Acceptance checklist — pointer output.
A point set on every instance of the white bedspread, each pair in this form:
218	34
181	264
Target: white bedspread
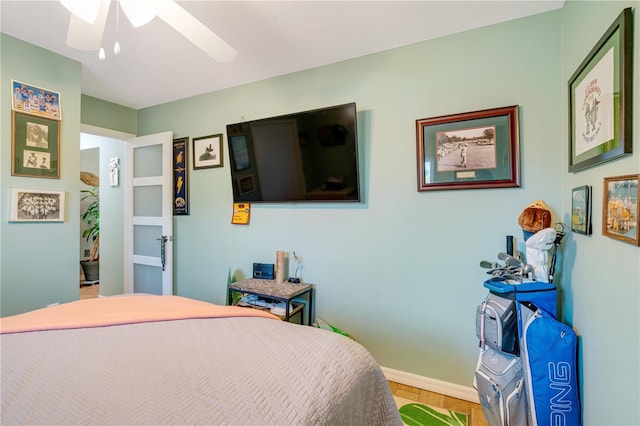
222	371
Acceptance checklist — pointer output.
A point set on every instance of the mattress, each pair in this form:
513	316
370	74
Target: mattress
184	362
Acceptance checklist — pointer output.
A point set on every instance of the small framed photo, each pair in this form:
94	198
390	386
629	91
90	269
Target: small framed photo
207	152
620	208
35	146
35	100
600	99
180	176
472	150
581	210
36	205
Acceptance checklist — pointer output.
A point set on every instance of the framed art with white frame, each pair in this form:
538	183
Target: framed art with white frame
36	205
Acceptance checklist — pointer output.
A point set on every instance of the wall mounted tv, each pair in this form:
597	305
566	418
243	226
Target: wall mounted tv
309	156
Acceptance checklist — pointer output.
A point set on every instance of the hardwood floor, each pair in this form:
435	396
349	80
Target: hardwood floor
89	291
472	410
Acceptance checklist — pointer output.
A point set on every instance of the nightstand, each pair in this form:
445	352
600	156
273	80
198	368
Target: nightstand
283	292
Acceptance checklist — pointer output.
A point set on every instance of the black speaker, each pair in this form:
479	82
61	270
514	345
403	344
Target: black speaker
263	271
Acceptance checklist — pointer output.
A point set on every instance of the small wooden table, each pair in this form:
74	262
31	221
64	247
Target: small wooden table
283	292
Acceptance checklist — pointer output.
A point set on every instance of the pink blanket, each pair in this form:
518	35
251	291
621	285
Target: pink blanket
101	312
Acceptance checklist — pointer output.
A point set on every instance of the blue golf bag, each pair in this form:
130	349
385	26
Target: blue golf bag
526	372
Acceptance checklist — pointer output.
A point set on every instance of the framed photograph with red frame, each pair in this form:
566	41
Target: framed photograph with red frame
472	150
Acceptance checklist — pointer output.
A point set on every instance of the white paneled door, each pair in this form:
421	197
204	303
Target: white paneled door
148	205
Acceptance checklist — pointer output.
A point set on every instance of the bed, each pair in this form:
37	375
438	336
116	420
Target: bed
145	359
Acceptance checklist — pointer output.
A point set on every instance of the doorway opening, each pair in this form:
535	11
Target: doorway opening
97	148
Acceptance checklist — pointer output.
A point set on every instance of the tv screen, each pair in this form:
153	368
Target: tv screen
309	156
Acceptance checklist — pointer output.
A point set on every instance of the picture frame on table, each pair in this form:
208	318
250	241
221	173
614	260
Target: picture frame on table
36	205
620	208
35	146
471	150
207	152
600	99
581	210
181	176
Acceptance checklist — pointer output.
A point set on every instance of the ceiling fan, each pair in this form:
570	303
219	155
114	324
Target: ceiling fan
88	19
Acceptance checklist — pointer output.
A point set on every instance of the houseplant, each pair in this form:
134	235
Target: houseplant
91	216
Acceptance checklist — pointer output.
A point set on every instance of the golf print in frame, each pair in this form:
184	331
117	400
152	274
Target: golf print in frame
581	210
472	150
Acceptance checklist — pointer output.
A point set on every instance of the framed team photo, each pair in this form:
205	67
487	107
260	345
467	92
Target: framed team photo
36	205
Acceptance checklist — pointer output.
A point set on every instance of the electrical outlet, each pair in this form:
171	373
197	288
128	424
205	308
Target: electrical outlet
86	252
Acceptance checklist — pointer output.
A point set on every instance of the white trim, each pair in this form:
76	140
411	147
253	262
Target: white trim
101	131
449	389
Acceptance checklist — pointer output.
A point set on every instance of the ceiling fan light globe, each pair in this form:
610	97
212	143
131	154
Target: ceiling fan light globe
139	12
87	10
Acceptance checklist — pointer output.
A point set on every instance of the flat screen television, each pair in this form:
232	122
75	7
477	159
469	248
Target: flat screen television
309	156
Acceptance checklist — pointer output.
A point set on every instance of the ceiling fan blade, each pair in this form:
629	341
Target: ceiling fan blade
85	36
139	12
194	31
87	10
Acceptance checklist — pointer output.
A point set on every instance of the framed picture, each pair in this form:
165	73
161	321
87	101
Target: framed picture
581	210
245	185
35	100
207	152
620	208
472	150
180	176
36	205
600	99
35	146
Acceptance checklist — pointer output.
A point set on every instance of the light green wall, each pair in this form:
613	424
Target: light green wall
399	271
39	263
107	115
602	285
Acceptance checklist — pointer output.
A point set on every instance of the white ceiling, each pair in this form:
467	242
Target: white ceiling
157	65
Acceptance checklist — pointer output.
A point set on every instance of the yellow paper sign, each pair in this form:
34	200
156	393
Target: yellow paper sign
241	213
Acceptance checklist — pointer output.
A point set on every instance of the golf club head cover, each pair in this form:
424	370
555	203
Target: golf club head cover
536	249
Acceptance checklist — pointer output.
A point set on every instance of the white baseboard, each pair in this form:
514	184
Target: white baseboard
433	385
